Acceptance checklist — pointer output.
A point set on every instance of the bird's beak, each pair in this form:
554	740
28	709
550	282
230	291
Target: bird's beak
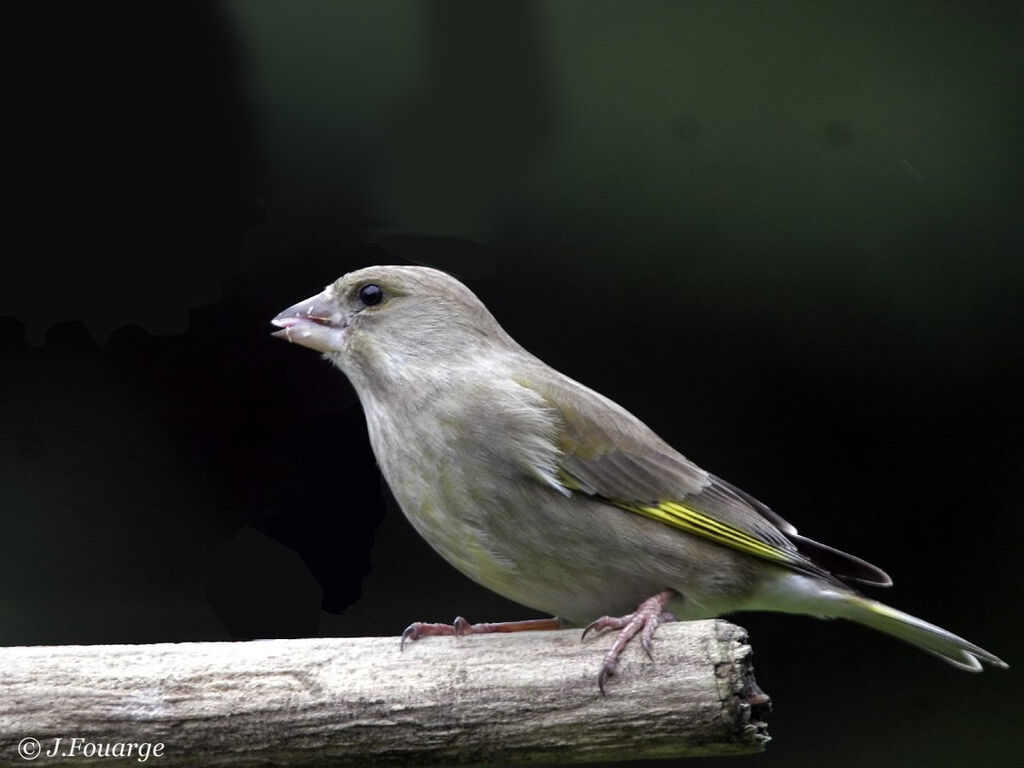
316	323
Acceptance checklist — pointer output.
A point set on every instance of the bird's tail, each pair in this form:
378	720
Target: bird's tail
800	593
928	637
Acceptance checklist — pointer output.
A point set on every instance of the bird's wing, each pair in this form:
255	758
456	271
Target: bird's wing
608	453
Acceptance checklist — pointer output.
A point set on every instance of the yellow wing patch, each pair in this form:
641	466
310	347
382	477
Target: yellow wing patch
692	521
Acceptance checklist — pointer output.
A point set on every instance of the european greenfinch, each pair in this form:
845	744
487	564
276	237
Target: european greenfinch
556	497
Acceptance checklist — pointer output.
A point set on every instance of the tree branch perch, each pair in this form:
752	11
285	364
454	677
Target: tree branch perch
509	699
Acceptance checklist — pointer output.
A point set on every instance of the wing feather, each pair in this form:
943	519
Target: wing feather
608	453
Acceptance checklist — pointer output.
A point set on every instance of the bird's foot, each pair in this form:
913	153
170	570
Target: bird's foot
645	619
460	626
759	701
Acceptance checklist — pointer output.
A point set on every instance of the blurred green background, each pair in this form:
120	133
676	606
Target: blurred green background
789	236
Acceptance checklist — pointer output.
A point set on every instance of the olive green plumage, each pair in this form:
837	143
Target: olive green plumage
551	494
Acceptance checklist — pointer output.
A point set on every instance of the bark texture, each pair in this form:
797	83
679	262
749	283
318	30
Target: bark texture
504	699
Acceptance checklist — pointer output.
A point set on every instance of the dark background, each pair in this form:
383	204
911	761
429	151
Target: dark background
788	236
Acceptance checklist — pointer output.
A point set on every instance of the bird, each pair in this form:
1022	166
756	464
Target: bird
554	496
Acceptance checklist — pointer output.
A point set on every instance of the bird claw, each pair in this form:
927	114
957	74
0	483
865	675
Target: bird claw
419	629
645	641
645	620
412	632
607	670
605	623
647	633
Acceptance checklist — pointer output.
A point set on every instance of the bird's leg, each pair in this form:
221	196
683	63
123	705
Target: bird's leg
460	626
645	619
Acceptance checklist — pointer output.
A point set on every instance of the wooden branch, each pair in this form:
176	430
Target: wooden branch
504	698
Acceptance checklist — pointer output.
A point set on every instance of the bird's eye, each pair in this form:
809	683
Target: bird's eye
371	294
